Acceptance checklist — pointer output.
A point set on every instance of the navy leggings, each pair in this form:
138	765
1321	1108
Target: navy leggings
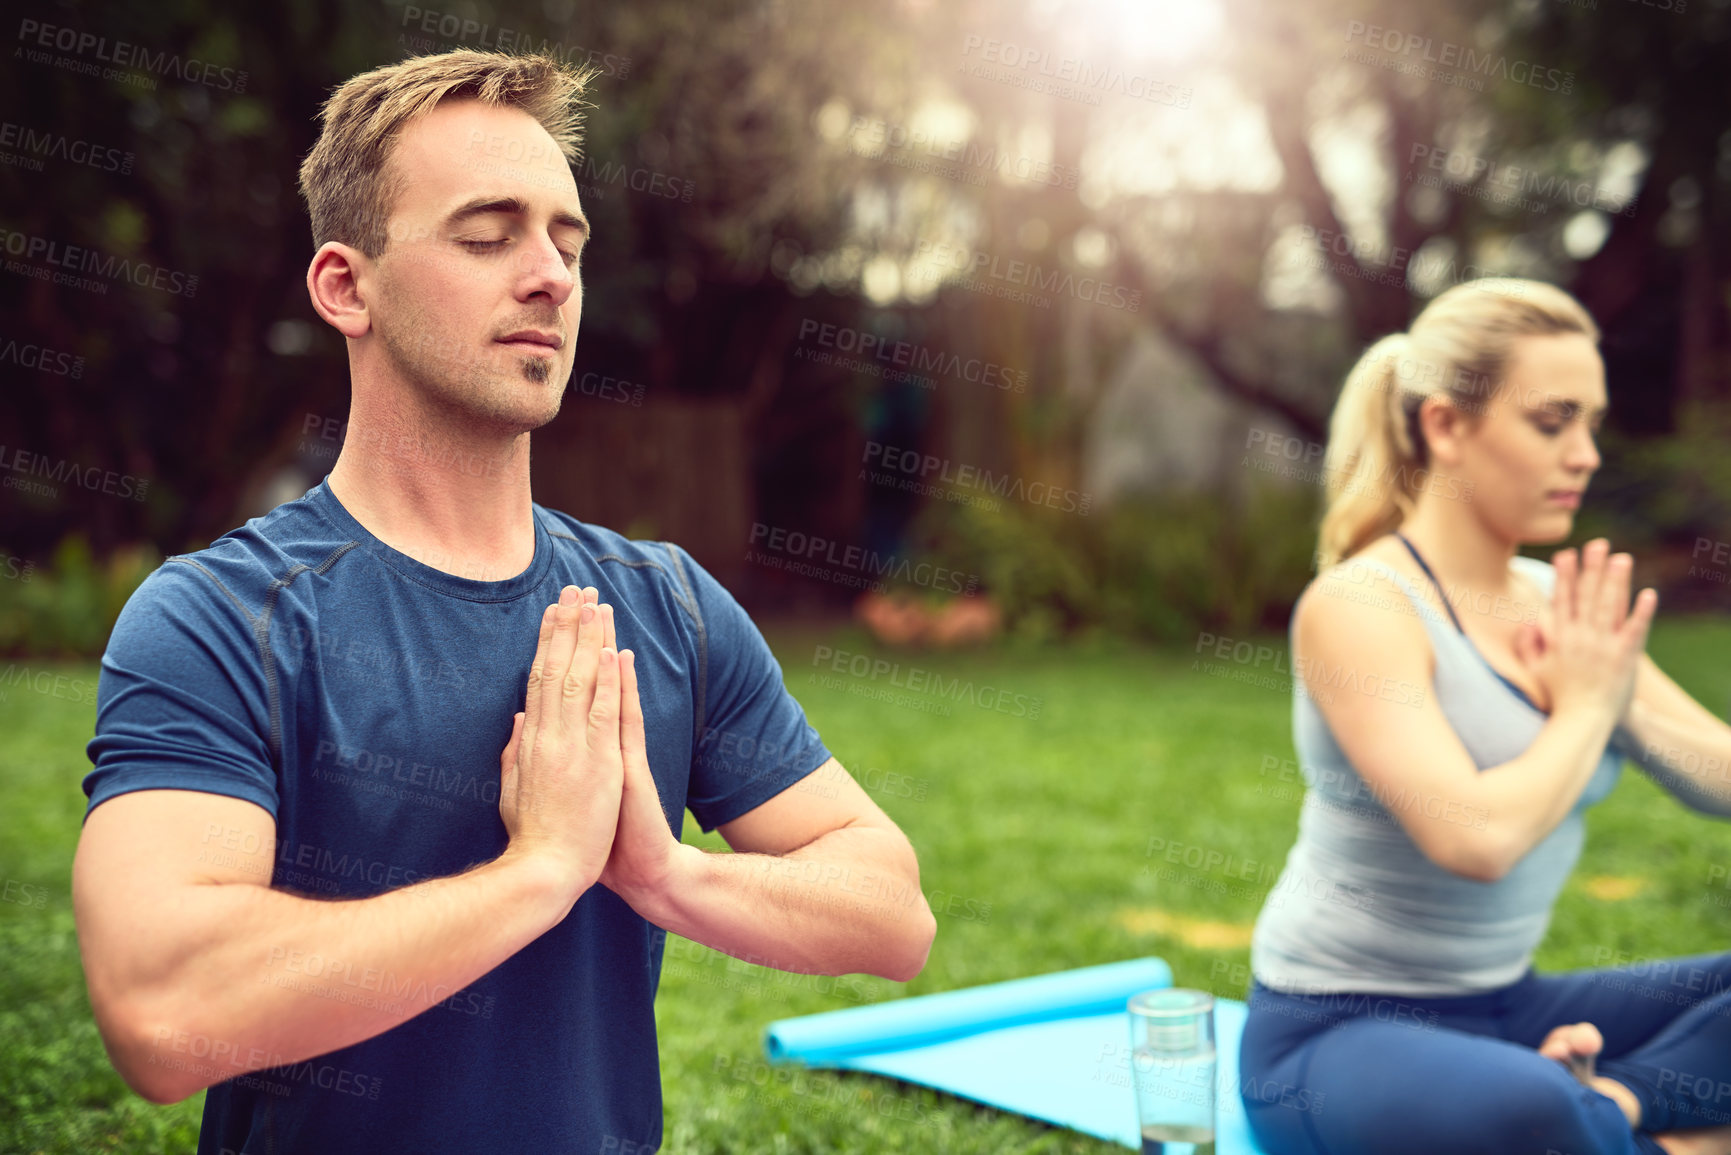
1360	1074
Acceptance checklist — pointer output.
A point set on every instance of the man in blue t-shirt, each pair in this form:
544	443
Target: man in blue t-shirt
388	783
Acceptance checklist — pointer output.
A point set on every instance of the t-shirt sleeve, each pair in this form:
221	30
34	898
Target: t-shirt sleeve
181	703
754	740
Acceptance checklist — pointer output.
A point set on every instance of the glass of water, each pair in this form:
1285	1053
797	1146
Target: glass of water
1172	1068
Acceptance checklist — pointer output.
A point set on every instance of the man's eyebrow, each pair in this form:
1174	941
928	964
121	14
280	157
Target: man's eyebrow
513	206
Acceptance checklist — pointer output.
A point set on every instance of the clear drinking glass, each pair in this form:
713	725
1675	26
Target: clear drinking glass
1172	1068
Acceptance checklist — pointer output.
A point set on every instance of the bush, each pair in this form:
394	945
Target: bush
1154	569
1664	491
68	610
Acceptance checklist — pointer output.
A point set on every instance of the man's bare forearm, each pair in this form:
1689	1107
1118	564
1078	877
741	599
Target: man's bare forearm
847	903
256	978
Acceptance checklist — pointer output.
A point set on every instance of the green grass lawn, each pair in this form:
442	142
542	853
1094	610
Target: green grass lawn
1033	836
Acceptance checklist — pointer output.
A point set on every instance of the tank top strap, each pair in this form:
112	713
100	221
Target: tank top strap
1425	566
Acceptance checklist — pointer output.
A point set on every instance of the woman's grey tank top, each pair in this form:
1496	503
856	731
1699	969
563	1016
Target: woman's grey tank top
1358	906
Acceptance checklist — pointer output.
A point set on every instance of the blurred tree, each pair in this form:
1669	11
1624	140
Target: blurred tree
1261	200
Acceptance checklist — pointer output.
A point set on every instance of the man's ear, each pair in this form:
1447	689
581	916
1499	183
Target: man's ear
333	283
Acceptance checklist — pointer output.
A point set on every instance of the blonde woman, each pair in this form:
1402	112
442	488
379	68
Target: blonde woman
1459	708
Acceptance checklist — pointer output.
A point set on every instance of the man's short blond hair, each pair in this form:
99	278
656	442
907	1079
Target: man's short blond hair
346	180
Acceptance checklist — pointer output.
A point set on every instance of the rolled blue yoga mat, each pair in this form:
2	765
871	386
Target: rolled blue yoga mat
819	1039
1053	1047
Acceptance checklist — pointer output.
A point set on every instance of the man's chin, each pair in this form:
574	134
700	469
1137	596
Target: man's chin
537	370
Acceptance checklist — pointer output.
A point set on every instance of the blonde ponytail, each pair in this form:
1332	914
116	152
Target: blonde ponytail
1458	346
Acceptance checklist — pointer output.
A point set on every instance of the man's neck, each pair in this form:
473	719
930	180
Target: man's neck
453	499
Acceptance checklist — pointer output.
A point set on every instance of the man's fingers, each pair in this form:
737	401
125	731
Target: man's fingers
632	742
538	671
603	730
560	648
608	638
578	689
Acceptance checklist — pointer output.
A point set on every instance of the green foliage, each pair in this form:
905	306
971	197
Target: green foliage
1154	569
1664	490
69	609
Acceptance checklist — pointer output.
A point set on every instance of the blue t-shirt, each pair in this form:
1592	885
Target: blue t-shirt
363	698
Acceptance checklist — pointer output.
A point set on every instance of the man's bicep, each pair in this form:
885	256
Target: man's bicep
137	857
827	799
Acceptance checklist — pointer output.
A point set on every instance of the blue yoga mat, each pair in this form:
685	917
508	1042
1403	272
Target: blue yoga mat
1053	1047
